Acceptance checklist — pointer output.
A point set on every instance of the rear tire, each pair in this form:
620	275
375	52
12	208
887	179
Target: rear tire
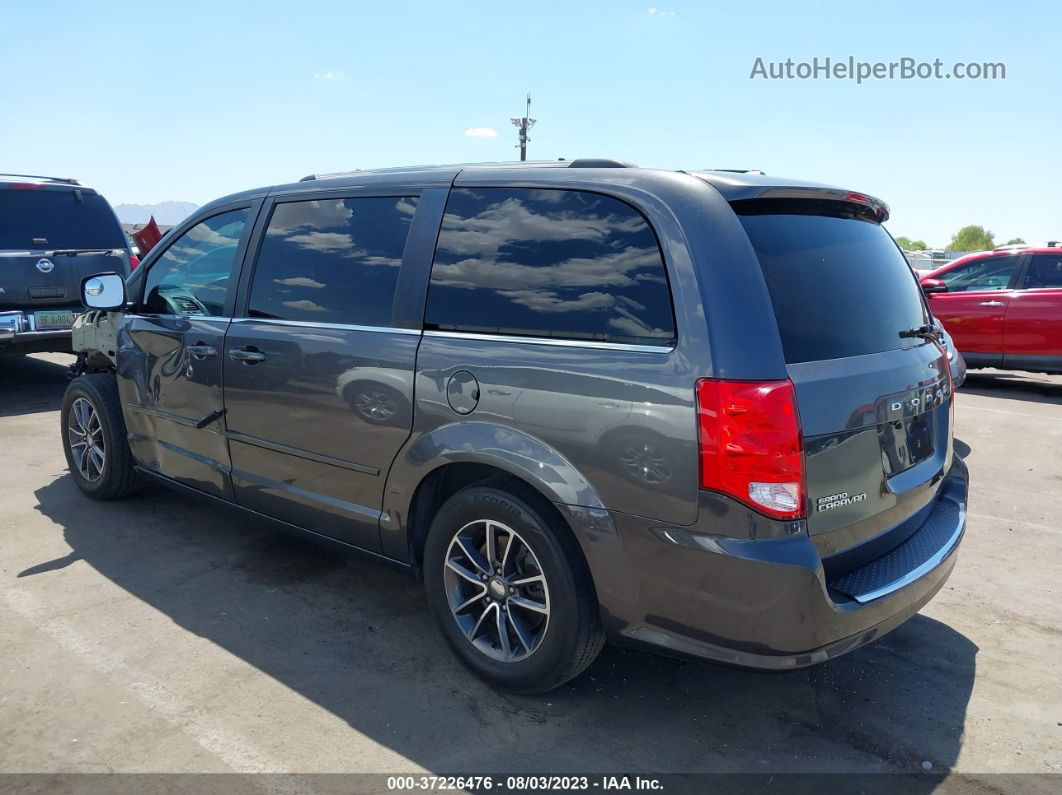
94	438
539	593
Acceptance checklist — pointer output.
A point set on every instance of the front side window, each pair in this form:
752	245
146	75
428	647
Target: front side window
993	273
548	263
192	276
332	260
1045	270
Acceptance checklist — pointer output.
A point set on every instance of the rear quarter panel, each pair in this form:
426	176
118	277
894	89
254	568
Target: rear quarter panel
567	418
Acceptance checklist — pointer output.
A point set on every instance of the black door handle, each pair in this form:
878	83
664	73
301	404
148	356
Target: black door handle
246	355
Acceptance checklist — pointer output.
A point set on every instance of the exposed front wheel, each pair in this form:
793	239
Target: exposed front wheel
94	438
510	590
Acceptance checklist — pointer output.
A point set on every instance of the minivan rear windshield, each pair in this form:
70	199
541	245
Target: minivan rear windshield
839	284
57	219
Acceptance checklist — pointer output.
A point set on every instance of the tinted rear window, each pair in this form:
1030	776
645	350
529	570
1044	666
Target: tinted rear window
58	219
548	263
839	285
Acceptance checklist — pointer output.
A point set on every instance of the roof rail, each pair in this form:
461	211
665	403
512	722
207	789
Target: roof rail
599	162
66	180
580	162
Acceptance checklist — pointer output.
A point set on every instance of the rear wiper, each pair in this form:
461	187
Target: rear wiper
926	332
61	251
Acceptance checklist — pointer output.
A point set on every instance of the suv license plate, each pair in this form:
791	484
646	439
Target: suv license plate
53	319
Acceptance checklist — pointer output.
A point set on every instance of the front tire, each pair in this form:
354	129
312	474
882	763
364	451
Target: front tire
510	589
94	438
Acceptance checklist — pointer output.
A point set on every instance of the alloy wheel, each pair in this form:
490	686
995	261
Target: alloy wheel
85	436
644	463
374	404
497	591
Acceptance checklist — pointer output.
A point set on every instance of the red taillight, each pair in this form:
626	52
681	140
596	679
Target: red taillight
134	260
750	444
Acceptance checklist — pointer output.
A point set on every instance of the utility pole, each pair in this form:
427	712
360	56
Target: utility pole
524	124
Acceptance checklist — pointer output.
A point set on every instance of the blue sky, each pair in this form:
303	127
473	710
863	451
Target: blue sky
226	96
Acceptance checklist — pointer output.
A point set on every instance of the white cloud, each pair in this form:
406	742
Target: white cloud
300	281
481	132
548	301
290	216
656	12
305	305
328	75
325	242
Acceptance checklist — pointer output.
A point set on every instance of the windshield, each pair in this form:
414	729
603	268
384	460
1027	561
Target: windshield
839	285
56	219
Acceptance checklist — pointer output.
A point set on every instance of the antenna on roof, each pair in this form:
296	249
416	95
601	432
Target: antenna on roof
524	123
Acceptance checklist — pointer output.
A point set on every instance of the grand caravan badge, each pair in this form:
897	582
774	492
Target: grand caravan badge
838	500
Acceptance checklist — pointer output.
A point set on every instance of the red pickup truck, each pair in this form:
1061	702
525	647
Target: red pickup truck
1003	308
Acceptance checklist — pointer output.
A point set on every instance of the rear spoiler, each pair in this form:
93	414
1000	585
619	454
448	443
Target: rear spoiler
880	208
752	186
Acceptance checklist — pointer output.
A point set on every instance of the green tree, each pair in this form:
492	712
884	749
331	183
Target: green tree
1015	241
911	245
972	238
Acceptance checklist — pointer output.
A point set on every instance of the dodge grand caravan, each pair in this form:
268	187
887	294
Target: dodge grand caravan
702	412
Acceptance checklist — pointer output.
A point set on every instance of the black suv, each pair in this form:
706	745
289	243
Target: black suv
53	233
702	412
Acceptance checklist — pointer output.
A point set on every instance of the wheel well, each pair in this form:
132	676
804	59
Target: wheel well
440	484
91	361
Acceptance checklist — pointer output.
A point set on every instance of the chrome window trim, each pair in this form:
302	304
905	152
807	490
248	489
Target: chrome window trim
150	315
560	343
339	326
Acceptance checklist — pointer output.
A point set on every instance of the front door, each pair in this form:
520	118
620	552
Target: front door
171	350
318	381
973	307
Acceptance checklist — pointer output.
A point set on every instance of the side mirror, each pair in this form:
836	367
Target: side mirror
104	291
930	286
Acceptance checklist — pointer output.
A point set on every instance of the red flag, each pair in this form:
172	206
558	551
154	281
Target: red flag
147	237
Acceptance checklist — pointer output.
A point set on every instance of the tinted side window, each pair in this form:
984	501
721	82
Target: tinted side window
1045	270
192	276
548	263
332	261
984	274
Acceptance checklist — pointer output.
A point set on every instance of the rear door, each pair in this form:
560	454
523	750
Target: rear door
169	371
974	305
318	373
1033	326
873	400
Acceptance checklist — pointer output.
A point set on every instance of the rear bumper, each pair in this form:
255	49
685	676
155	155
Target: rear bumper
17	334
763	604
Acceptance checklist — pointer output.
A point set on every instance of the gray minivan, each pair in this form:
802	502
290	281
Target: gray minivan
702	412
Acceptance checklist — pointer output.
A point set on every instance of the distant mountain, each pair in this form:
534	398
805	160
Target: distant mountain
166	213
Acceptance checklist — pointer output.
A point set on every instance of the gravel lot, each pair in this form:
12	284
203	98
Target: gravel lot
161	634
